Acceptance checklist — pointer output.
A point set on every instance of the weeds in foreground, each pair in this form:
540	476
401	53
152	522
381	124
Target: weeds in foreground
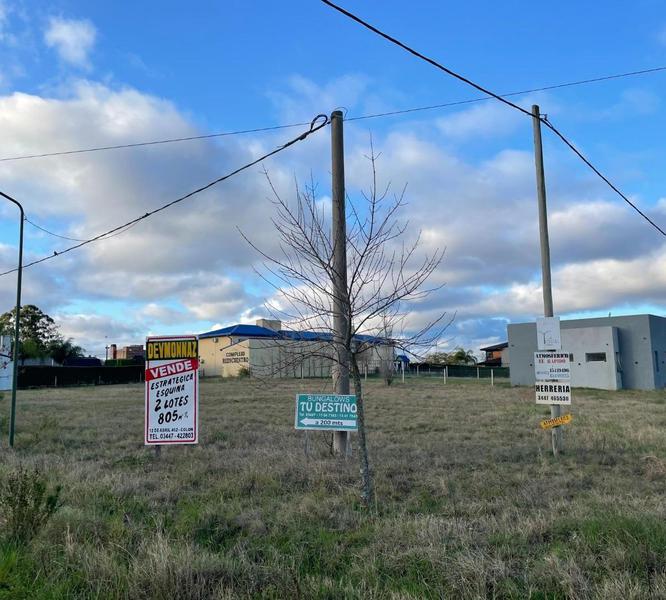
26	504
470	502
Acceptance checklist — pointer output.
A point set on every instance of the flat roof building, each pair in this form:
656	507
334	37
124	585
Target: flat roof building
607	353
497	355
266	350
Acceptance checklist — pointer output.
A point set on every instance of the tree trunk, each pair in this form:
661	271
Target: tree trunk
367	493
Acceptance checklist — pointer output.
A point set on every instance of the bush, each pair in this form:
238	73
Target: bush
26	504
243	372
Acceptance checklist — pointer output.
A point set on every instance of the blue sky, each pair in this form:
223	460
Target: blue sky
80	74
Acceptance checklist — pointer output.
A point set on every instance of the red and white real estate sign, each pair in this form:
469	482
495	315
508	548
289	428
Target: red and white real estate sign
172	390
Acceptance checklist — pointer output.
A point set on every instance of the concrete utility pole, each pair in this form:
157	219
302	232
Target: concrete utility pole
340	303
555	409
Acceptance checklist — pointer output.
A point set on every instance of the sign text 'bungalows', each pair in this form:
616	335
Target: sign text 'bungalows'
326	411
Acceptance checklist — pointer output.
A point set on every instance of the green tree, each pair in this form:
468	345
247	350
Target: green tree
38	334
462	357
61	350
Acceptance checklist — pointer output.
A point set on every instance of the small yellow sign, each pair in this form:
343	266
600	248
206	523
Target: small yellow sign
563	420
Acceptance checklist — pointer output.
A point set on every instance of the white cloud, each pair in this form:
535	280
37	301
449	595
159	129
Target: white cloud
216	298
189	265
486	119
632	101
181	256
304	97
73	39
161	313
93	331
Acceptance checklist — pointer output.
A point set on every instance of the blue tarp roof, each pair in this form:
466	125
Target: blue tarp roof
255	331
241	330
307	336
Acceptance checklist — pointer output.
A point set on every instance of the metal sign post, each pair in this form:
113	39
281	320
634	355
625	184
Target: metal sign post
17	317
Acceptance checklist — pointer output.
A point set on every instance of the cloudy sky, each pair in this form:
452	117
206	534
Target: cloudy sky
76	75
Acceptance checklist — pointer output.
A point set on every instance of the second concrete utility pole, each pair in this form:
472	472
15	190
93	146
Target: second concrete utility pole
555	409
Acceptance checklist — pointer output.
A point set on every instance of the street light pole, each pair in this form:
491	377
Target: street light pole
17	317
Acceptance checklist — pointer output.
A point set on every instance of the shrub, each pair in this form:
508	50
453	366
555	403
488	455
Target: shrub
26	504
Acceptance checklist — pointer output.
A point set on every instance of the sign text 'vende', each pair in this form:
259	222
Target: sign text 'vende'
172	391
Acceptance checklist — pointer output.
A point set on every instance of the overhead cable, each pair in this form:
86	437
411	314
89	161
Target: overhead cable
497	97
509	94
317	123
610	184
391	113
434	63
62	237
152	143
71	239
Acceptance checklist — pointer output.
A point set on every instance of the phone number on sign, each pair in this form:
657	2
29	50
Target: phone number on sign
544	398
166	433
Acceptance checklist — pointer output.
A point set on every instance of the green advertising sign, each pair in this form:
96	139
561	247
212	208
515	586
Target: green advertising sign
325	411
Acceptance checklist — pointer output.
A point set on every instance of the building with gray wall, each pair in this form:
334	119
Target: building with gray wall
607	353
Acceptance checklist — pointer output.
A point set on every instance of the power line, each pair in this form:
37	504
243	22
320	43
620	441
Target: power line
510	94
62	237
153	142
316	124
610	184
359	118
71	239
425	58
497	97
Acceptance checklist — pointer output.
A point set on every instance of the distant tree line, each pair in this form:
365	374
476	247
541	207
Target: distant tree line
39	336
459	356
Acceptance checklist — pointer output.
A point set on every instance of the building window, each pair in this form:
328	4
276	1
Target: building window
656	360
595	357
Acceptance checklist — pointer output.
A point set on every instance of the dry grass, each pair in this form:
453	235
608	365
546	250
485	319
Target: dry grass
470	502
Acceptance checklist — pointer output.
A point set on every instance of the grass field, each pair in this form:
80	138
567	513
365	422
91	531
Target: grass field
470	502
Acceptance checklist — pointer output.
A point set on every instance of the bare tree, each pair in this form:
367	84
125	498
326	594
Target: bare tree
384	272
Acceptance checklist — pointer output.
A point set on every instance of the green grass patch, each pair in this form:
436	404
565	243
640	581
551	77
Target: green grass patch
470	501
